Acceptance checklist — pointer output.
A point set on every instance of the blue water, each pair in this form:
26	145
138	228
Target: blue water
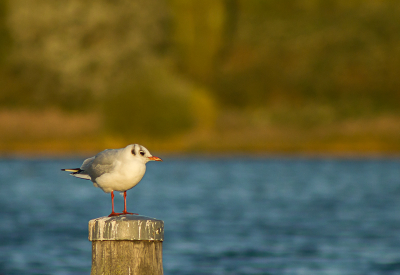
222	216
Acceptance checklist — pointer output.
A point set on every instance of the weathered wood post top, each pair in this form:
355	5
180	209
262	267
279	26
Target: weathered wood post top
126	227
126	244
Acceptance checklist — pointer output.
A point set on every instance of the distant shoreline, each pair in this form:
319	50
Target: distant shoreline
55	133
44	151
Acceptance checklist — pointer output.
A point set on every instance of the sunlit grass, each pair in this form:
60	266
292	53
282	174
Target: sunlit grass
51	132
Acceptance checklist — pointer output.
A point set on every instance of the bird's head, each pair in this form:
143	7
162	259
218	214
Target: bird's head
141	153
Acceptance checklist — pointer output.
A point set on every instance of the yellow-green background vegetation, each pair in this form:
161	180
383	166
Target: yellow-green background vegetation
310	76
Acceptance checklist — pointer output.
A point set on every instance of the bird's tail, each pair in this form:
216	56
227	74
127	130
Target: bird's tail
78	173
73	170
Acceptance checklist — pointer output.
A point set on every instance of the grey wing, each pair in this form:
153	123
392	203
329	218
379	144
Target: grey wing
86	163
103	162
81	175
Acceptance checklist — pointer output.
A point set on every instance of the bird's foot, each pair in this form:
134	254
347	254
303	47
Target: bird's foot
125	213
122	213
114	214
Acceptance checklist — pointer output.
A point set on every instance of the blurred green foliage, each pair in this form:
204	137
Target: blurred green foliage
341	53
5	40
142	62
140	111
4	34
148	107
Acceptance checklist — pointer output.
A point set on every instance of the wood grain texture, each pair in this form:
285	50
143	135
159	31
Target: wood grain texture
126	228
127	257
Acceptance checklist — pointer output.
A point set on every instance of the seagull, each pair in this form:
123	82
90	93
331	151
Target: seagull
115	170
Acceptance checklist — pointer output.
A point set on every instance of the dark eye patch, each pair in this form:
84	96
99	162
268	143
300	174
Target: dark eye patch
133	152
142	153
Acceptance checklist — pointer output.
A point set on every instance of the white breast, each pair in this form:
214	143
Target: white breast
123	177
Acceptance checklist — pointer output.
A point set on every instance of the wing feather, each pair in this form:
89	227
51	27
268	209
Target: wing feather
94	167
78	173
87	162
81	176
103	162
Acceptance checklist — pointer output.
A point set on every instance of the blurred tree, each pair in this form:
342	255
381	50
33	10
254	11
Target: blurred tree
154	105
73	53
341	53
201	55
5	39
198	35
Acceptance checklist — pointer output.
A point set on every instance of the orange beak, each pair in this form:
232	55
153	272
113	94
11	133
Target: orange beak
155	158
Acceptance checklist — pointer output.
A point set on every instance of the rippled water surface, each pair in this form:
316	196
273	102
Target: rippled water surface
222	216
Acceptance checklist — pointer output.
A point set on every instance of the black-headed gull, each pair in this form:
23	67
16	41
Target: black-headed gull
115	170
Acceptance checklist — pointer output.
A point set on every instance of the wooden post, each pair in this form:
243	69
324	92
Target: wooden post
126	244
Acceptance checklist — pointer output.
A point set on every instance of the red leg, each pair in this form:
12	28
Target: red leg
112	206
125	212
